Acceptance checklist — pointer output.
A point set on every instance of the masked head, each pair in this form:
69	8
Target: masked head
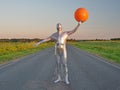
59	27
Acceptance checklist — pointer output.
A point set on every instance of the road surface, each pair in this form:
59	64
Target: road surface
38	71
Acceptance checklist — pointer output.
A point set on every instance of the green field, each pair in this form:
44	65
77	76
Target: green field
107	49
14	50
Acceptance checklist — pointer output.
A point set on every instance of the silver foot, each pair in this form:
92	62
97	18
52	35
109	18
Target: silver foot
59	79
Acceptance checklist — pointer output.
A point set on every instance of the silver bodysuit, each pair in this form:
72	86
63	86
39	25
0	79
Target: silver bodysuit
60	49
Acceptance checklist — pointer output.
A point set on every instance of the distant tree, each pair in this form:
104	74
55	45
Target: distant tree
4	40
115	39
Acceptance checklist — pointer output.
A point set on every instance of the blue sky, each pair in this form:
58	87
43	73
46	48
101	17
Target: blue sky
38	18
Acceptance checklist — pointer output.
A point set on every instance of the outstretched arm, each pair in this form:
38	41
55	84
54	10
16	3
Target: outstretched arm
42	41
75	29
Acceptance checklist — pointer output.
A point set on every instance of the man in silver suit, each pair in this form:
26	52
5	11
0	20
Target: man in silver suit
60	49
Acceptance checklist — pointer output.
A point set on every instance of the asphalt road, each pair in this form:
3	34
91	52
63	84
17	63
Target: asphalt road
37	72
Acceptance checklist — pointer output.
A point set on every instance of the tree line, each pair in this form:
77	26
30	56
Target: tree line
37	39
20	40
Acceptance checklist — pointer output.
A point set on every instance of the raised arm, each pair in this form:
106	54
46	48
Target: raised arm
42	41
74	30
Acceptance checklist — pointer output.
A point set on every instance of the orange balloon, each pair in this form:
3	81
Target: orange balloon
81	14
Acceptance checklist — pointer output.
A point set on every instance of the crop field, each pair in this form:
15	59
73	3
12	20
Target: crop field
107	49
13	50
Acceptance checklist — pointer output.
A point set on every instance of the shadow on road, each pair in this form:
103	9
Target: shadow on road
38	85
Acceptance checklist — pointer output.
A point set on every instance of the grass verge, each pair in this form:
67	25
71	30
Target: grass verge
107	49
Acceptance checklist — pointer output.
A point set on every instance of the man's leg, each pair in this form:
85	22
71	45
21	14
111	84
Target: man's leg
58	69
65	66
